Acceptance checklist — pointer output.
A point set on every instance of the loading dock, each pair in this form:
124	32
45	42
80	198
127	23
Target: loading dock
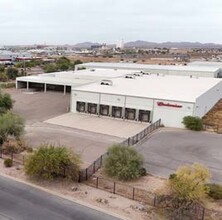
92	108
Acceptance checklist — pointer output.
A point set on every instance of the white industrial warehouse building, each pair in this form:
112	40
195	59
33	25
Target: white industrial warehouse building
193	70
148	98
135	92
63	81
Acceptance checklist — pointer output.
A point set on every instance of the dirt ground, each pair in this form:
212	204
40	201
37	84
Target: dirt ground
124	207
38	107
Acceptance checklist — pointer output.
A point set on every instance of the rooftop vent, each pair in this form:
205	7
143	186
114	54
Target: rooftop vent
146	73
138	74
106	82
130	76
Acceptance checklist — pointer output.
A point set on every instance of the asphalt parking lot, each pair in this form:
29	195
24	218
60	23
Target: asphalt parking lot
38	107
167	149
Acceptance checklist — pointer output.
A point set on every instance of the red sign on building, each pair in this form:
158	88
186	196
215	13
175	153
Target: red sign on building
169	105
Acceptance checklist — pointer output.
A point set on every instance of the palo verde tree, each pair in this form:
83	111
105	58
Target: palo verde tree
188	186
123	162
50	162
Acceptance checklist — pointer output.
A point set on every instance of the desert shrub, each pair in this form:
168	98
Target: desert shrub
6	102
13	145
12	73
172	176
11	125
3	77
188	185
8	162
50	162
123	162
143	171
29	149
7	85
193	123
215	191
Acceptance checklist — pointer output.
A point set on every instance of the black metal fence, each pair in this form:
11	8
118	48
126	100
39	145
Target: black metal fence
124	190
195	212
86	173
139	136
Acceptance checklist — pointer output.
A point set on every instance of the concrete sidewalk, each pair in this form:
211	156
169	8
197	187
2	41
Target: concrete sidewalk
102	125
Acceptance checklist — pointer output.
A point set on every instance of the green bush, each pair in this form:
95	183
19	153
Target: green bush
123	162
6	102
8	162
7	85
50	162
143	171
172	176
193	123
3	77
12	73
215	191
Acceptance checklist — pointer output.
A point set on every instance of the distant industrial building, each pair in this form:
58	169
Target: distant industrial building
198	71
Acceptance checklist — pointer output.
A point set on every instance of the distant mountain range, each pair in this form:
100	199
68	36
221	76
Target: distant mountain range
146	44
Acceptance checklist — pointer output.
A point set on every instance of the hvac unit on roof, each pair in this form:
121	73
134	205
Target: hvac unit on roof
138	74
146	73
106	82
130	76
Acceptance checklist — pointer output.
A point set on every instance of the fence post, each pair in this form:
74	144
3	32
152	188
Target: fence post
114	187
203	214
86	174
94	167
101	160
154	201
12	157
79	180
0	153
97	182
133	193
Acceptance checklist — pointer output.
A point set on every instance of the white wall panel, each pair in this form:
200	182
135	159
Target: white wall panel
207	101
171	116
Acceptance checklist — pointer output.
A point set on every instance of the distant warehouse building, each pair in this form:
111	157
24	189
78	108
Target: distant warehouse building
147	98
199	71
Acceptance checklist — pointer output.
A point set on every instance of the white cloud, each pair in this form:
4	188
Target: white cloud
72	21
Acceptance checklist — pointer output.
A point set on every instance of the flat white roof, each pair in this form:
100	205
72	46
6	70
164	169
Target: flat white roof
136	66
74	78
206	64
176	88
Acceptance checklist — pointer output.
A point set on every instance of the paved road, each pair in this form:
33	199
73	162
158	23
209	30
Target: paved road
166	150
22	202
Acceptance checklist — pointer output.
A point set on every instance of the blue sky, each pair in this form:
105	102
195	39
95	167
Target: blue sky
73	21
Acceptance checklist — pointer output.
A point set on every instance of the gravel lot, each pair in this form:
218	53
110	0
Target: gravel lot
38	107
167	149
